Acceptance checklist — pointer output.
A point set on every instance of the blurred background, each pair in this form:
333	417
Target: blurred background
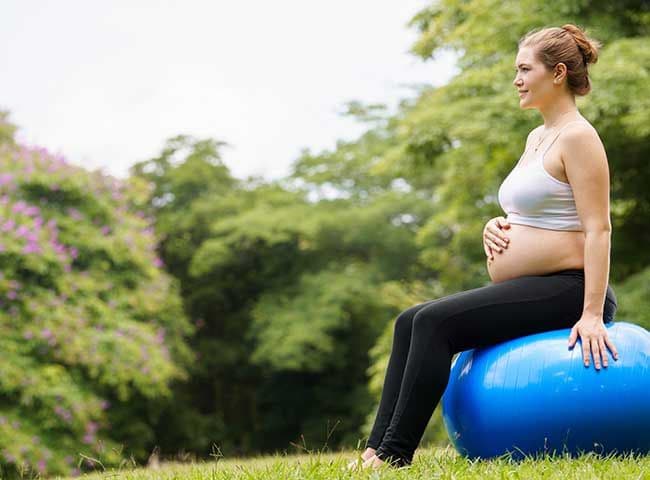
211	213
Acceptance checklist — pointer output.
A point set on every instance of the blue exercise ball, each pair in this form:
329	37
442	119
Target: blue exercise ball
532	395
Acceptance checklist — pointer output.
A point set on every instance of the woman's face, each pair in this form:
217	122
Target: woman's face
534	79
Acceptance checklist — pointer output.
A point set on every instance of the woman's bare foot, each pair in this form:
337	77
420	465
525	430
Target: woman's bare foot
373	462
369	453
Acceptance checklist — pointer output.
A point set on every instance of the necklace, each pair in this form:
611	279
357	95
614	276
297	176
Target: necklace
546	132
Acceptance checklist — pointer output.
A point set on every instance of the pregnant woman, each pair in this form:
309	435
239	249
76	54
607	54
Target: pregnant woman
548	260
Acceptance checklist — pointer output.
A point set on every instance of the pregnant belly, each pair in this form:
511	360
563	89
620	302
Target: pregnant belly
536	251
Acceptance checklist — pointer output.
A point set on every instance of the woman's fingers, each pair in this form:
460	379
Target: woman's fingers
611	346
497	234
586	349
594	343
603	351
493	245
493	237
595	350
496	240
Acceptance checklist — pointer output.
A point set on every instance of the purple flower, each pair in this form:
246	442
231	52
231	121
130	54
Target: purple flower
46	333
6	178
8	225
160	335
11	295
32	237
74	213
22	231
31	211
106	230
63	413
158	262
91	427
32	248
19	207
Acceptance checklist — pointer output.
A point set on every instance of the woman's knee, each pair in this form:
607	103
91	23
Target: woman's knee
404	322
427	319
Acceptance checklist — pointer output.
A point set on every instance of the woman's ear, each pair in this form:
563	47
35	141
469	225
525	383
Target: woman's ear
559	72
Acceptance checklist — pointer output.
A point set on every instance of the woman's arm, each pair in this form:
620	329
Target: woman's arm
585	164
596	259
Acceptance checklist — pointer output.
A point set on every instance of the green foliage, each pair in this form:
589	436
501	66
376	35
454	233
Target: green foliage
633	298
88	319
298	329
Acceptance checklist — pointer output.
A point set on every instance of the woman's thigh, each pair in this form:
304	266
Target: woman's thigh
514	308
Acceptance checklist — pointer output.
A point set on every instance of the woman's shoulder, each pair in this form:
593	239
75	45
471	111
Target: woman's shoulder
534	133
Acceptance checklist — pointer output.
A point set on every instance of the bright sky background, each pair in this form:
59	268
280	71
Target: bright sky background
106	83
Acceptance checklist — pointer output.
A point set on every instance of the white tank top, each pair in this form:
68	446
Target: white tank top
531	196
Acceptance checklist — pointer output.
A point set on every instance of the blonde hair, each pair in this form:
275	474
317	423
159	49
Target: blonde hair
567	44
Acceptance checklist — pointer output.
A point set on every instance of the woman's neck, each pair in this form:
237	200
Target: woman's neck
559	112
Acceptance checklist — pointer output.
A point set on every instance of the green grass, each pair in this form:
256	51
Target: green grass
429	463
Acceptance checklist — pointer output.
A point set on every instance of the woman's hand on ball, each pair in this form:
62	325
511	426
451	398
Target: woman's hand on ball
493	236
594	339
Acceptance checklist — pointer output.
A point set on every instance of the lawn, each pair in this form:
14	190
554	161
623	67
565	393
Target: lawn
428	463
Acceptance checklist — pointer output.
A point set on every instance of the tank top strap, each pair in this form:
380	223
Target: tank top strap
557	135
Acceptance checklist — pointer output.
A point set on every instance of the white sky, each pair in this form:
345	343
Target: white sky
106	83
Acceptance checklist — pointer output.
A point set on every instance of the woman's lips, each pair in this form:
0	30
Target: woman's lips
521	94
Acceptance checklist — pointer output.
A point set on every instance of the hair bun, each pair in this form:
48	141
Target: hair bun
587	46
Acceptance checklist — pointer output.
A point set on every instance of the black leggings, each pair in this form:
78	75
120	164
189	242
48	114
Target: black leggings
427	336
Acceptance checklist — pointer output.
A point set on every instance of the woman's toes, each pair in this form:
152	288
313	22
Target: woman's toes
353	465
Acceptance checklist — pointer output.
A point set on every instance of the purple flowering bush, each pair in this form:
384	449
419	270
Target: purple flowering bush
89	320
